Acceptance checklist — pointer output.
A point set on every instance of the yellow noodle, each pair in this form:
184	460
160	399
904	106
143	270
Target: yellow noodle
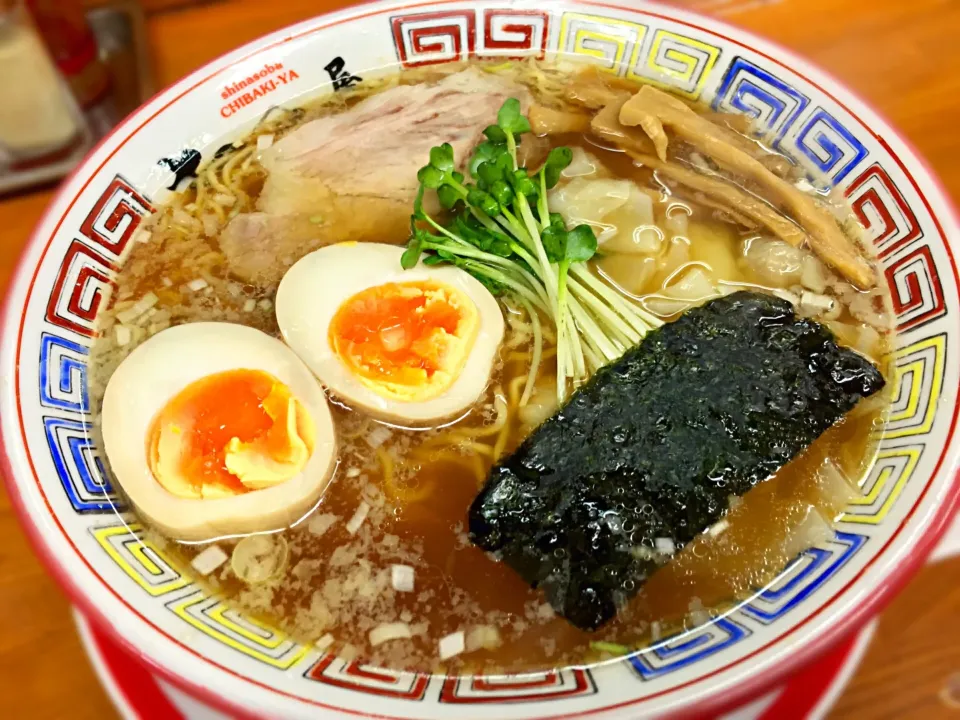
390	486
241	198
247	163
518	356
513	390
211	175
201	190
479	471
500	403
219	212
211	256
501	442
476	447
231	164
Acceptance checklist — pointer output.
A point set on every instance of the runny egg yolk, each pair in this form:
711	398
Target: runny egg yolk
229	433
406	341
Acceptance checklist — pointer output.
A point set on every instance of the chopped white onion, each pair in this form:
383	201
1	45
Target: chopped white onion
264	141
324	642
319	523
665	546
699	617
353	472
718	528
259	558
166	282
813	275
122	334
815	304
265	305
184	220
485	637
142	235
834	486
452	645
137	309
209	560
642	552
389	631
813	530
358	517
546	612
401	577
250	305
378	436
197	285
210	225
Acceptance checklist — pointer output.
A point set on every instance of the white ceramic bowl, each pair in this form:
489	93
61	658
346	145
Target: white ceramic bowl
58	483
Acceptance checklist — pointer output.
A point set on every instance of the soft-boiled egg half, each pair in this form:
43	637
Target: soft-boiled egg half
217	429
411	347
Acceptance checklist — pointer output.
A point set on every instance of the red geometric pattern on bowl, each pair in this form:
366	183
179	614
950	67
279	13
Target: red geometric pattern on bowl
352	675
915	289
883	211
567	683
115	216
85	280
431	38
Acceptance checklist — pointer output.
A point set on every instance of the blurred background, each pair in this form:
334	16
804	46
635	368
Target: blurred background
70	70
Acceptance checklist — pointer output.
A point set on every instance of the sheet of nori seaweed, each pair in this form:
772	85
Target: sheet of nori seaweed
654	445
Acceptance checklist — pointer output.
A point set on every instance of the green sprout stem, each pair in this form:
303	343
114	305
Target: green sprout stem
512	148
542	200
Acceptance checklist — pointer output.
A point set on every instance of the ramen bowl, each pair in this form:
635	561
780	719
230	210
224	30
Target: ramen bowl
129	585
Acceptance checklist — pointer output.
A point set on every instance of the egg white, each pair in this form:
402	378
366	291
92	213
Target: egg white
318	284
154	373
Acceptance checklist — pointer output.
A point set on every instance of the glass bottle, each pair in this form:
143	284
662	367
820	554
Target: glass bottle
38	117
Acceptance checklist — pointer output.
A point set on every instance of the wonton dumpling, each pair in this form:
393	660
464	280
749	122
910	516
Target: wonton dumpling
619	211
584	164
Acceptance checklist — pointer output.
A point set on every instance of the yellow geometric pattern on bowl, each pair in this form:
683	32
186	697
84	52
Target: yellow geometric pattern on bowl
140	559
629	49
606	41
917	385
677	62
240	632
891	471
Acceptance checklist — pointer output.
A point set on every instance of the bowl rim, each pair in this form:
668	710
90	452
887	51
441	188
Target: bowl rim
749	687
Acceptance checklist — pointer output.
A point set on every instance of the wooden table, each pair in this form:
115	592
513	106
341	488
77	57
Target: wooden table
902	56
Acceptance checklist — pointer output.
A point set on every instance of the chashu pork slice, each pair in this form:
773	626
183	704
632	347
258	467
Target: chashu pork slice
353	176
